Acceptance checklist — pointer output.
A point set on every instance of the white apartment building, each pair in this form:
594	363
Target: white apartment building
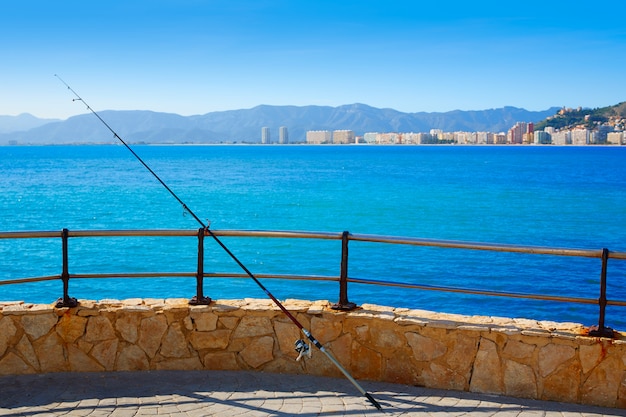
411	138
283	135
383	138
484	138
562	138
265	135
542	137
319	136
499	139
343	136
615	138
436	133
370	138
581	137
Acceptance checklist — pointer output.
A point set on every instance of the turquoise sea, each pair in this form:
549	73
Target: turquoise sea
572	197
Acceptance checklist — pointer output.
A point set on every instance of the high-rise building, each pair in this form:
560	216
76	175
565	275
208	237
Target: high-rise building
563	137
283	135
581	136
265	135
517	132
343	136
319	136
437	133
370	137
542	137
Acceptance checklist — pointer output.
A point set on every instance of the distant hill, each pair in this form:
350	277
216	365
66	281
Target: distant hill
244	126
22	122
589	118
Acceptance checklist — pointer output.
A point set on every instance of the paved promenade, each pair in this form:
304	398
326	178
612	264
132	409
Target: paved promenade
220	393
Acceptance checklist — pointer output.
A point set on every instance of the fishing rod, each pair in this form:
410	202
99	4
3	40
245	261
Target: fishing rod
209	232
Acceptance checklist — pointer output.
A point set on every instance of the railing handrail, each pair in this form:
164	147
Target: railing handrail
343	279
298	234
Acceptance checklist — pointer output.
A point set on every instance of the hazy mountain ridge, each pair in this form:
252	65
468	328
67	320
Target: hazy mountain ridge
22	122
135	126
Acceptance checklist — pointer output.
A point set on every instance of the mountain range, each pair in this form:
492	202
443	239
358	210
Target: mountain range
244	126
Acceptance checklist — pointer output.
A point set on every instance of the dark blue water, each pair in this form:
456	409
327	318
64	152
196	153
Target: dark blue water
571	197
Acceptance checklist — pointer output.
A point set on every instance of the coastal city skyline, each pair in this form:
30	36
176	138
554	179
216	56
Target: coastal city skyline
192	58
611	132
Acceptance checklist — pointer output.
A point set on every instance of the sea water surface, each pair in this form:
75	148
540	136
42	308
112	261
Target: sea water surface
570	197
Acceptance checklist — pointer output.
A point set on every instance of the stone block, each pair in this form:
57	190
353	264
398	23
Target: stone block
590	356
226	361
132	358
127	324
425	348
410	321
105	353
151	330
86	308
436	375
367	364
98	328
362	334
7	331
487	374
563	383
258	352
70	327
294	305
325	329
519	380
27	352
174	343
552	356
253	326
386	340
603	384
285	365
81	362
39	324
398	371
341	349
462	348
228	322
286	334
11	364
182	364
18	308
516	349
50	353
217	339
224	306
204	321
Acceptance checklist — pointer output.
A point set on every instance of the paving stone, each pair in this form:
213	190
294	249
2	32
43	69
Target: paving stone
252	394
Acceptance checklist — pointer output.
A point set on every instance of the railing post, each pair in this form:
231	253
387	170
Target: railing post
66	300
600	330
199	298
343	303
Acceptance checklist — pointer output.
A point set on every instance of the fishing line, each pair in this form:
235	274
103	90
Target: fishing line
208	231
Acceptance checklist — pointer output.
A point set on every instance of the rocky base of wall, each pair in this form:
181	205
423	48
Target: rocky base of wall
514	357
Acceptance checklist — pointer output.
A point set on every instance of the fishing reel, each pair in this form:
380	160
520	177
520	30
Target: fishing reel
303	349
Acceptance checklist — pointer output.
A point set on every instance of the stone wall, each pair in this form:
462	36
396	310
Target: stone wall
515	357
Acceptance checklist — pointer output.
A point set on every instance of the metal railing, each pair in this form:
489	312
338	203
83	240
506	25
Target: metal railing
343	279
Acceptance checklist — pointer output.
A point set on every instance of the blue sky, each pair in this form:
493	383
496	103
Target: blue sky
193	57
